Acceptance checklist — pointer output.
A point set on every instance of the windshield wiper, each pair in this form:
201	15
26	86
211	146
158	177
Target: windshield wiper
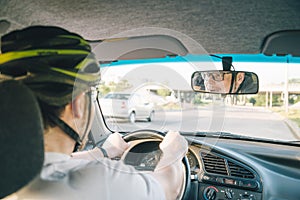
295	141
216	134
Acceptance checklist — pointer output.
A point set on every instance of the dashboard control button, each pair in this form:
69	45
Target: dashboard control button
228	194
247	196
210	193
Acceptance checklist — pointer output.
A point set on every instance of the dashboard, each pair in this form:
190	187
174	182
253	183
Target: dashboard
216	176
222	169
243	169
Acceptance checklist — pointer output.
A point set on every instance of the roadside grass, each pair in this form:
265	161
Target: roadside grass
293	114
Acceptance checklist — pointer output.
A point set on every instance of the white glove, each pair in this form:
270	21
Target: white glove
115	145
174	147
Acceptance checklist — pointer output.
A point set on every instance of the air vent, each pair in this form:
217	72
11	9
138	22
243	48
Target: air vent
239	171
218	165
214	164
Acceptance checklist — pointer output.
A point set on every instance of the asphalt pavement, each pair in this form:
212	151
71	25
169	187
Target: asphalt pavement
249	121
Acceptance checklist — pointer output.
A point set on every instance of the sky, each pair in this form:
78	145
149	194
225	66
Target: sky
177	74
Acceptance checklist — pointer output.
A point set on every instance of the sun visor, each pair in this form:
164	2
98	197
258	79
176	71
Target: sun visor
282	43
140	47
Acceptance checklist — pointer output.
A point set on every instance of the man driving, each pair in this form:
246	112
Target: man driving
59	67
222	82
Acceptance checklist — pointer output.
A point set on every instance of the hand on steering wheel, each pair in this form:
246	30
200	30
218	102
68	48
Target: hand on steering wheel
174	148
115	145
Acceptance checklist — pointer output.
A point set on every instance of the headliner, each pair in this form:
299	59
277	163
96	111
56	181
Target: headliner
220	26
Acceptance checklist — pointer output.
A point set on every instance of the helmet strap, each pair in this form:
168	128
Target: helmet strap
68	130
232	82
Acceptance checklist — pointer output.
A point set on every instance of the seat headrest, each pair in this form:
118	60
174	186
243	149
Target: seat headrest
21	137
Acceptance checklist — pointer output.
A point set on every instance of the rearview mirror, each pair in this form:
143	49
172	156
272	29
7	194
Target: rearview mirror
225	82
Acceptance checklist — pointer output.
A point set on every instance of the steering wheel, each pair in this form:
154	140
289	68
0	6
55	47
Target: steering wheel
144	154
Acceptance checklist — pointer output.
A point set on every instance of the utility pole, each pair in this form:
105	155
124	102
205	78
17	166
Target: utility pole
286	86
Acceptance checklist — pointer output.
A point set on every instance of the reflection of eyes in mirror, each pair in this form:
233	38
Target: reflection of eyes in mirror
225	82
214	82
216	76
218	82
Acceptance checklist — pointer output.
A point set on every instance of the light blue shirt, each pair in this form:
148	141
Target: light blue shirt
63	177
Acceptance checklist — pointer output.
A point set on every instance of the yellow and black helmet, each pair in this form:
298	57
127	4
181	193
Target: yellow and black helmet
55	63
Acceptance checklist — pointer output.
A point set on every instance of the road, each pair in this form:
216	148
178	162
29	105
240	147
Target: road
250	121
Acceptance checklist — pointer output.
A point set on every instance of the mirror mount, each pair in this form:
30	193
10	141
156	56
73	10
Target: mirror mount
227	63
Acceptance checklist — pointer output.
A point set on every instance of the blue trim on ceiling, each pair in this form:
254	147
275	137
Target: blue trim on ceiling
206	58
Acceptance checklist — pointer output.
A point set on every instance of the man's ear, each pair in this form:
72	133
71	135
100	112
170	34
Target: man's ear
240	78
77	106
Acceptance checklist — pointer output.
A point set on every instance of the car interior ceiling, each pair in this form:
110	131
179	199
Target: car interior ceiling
221	167
197	19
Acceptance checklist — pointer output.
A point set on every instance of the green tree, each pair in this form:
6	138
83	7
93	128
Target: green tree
163	92
103	90
252	100
197	99
112	86
260	100
122	85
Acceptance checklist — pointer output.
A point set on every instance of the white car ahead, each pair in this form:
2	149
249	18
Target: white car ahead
127	106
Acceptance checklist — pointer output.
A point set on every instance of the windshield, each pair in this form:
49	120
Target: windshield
168	102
